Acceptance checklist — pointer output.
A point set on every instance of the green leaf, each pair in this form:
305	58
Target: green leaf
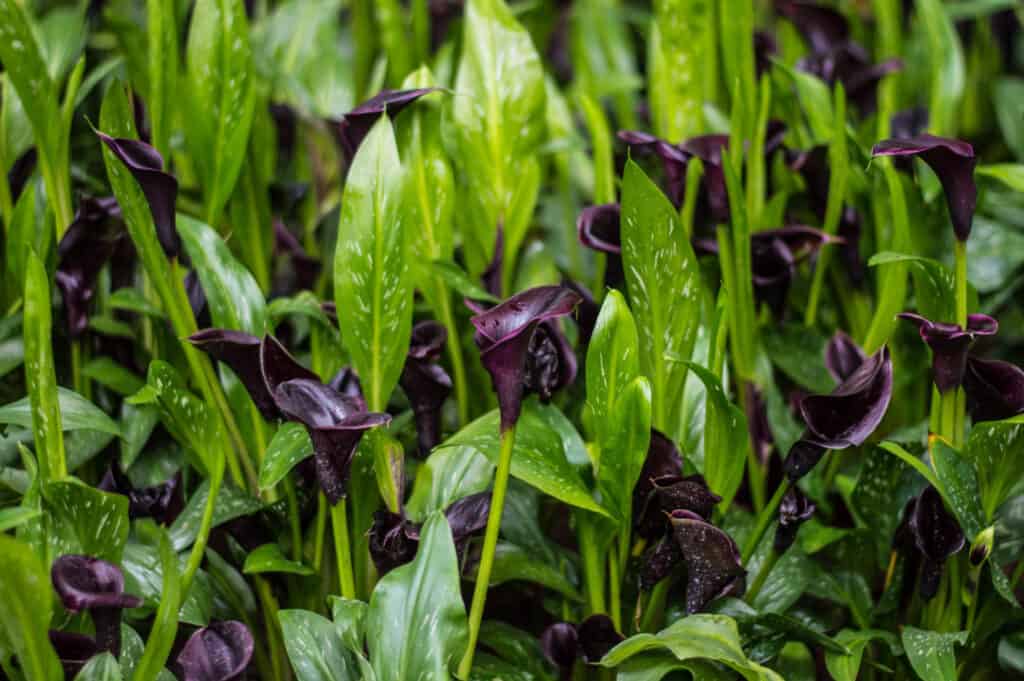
165	624
959	487
612	361
497	122
235	299
448	474
131	300
799	352
162	73
457	280
222	99
289	446
934	283
372	277
624	449
815	99
29	230
1010	174
231	504
845	667
538	455
17	515
270	558
663	281
514	563
913	461
1008	97
23	62
73	412
44	417
682	60
726	438
708	637
103	667
996	448
416	624
948	69
315	647
188	418
110	374
28	600
84	520
931	653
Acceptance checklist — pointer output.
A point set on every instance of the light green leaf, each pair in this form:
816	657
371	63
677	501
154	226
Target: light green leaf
931	653
28	606
315	647
289	446
448	474
270	558
103	667
1010	174
682	66
75	413
726	438
165	624
110	374
162	73
84	520
23	62
16	515
846	667
948	68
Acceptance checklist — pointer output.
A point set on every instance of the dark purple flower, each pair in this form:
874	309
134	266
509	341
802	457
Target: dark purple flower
794	511
936	535
346	382
712	560
850	64
597	635
161	502
765	49
426	383
92	584
659	561
846	417
218	652
671	493
335	424
953	162
90	241
21	170
356	124
560	644
995	389
598	228
822	26
663	462
586	312
521	352
950	344
73	650
708	148
305	268
160	188
590	640
842	356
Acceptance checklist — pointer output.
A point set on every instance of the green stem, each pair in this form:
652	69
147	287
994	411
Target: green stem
270	622
762	576
342	549
764	519
320	529
960	254
651	618
755	471
593	574
483	575
454	353
615	588
293	519
195	558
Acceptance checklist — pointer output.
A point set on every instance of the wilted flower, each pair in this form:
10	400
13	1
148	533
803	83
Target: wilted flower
842	356
356	124
953	162
161	502
92	584
218	652
712	560
950	344
995	389
794	511
520	352
88	243
159	187
425	382
846	417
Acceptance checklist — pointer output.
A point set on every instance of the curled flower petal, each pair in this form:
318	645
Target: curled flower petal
160	188
772	269
305	267
356	124
937	536
953	162
241	352
505	335
559	643
712	560
468	516
218	652
277	366
393	541
346	382
950	344
426	383
663	461
89	242
597	635
995	389
794	511
671	493
802	457
842	356
708	148
335	424
598	229
86	583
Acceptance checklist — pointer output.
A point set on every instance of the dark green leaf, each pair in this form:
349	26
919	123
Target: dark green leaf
28	605
75	413
270	558
230	504
448	474
110	374
289	446
513	563
85	520
799	352
726	440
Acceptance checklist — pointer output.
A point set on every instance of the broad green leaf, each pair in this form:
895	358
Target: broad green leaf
416	624
612	361
1008	98
845	667
315	647
137	424
496	123
74	412
931	653
17	515
28	606
948	70
231	504
934	284
304	304
709	637
799	352
350	620
959	487
220	76
682	66
131	300
165	624
995	252
44	417
448	474
289	446
664	286
235	299
24	65
538	455
996	448
270	558
514	563
1010	174
110	374
726	438
624	449
103	667
29	229
188	418
162	73
84	520
816	100
372	277
515	646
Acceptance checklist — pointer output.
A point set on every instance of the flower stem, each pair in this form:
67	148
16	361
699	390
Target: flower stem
195	558
593	574
615	588
651	617
342	549
960	253
762	576
764	519
483	575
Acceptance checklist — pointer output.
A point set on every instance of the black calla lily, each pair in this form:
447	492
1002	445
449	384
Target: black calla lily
663	461
92	584
161	502
159	187
671	493
712	559
950	344
522	353
218	652
953	162
346	382
794	511
590	640
426	383
73	650
356	124
995	389
598	228
560	642
842	356
89	242
846	417
936	535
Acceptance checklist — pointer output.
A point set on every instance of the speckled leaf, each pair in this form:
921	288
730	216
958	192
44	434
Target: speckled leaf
187	417
372	277
613	361
103	667
845	667
76	413
931	653
315	647
28	605
416	624
959	487
231	504
624	449
289	446
448	474
681	72
23	62
799	352
663	281
996	448
726	440
85	520
44	417
513	563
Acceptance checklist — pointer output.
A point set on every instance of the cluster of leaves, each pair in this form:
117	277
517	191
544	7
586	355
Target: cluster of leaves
530	340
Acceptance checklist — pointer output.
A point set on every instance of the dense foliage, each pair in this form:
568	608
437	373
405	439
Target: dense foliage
529	340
